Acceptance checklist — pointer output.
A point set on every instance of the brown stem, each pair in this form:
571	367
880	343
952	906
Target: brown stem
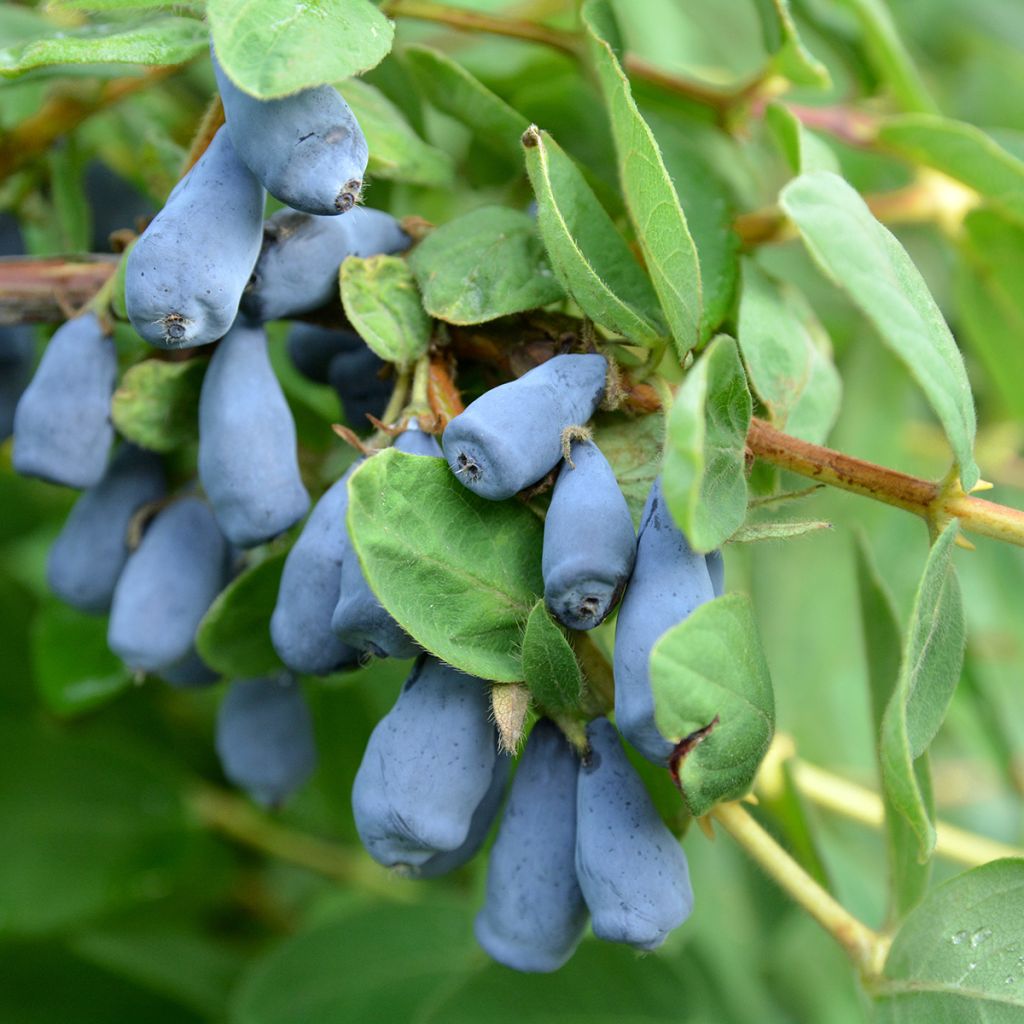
64	112
52	288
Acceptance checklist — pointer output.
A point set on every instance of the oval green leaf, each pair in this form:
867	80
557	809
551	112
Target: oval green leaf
156	404
549	665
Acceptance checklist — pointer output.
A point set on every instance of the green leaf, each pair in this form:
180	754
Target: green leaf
908	877
990	299
467	602
633	446
867	261
272	48
482	265
749	533
957	957
397	153
119	5
790	58
73	668
383	303
962	151
705	449
930	669
161	41
803	149
157	403
650	196
549	665
712	666
589	256
89	827
234	636
788	356
889	56
454	91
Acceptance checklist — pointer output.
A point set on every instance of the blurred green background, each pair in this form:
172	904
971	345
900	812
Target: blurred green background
134	887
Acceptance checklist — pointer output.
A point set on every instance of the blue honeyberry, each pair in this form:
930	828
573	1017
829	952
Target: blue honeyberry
355	377
511	436
311	348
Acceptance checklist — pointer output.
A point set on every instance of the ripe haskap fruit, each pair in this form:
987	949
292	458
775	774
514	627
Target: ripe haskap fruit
669	580
307	149
355	377
311	348
427	767
589	542
88	555
265	738
166	586
359	618
185	275
248	462
716	570
300	628
62	428
15	370
297	270
631	868
512	435
533	914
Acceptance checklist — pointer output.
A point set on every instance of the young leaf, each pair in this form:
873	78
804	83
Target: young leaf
272	48
788	356
466	602
383	303
482	265
156	404
868	262
589	256
908	877
234	636
453	90
705	448
651	198
549	665
712	666
790	58
160	41
804	151
397	153
963	152
750	533
957	957
932	657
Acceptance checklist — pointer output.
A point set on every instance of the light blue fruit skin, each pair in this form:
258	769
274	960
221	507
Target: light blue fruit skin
297	270
166	587
669	581
16	348
632	870
534	915
265	738
189	673
361	392
62	428
589	541
359	618
307	149
479	827
428	765
716	570
311	348
300	627
185	275
511	436
248	456
92	548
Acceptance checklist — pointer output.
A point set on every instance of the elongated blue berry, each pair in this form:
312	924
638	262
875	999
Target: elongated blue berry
185	275
248	460
533	914
89	553
265	738
589	542
511	436
307	149
362	392
631	868
62	428
669	580
427	767
166	587
311	348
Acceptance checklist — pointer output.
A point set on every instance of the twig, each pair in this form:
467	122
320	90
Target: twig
44	289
